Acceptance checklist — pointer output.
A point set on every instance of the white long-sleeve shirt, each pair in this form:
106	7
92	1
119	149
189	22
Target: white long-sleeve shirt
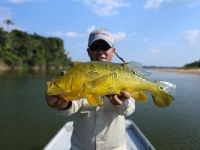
99	128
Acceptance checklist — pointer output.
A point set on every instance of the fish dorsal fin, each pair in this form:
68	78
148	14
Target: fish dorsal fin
137	68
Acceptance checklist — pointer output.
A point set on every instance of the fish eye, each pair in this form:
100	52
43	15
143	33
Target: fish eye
161	88
62	73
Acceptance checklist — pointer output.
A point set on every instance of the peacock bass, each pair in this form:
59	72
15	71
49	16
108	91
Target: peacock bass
94	79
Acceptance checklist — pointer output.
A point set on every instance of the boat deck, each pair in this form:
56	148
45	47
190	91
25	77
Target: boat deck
135	139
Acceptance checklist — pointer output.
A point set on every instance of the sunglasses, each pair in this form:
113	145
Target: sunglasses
99	47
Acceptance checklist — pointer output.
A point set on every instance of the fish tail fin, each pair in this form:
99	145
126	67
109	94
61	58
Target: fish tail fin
164	95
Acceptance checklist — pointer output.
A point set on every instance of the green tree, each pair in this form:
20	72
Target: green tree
18	49
195	64
3	35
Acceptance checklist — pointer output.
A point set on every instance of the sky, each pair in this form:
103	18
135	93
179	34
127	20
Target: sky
152	32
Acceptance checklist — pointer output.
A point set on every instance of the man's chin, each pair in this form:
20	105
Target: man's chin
101	59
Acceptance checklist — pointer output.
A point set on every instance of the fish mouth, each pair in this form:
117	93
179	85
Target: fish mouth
53	89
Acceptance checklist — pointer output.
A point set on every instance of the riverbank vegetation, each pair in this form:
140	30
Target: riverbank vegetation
195	64
20	50
190	68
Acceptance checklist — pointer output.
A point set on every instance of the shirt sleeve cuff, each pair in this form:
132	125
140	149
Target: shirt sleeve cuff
127	107
70	110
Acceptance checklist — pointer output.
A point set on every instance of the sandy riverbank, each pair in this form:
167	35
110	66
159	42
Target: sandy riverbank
4	66
177	70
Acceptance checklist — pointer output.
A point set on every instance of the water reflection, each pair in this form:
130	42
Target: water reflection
28	123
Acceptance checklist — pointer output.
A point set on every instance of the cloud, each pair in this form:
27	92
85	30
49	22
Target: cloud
71	34
155	4
154	50
119	36
63	34
105	7
18	1
192	36
194	3
150	4
12	27
6	14
146	39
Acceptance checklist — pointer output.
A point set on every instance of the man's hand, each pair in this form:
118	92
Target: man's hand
119	99
57	103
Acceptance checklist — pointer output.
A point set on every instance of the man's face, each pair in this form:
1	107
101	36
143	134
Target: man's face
100	51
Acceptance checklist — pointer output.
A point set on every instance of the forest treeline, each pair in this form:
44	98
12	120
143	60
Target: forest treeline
195	64
20	50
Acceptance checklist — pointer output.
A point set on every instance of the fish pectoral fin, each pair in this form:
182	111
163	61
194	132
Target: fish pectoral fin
95	100
103	79
69	96
140	96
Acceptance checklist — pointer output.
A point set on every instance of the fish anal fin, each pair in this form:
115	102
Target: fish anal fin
162	100
140	96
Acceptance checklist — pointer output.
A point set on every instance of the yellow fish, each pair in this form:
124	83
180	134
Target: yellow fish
94	79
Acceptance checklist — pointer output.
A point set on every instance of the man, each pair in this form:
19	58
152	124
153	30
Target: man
100	128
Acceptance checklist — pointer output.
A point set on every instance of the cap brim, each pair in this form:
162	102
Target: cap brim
100	38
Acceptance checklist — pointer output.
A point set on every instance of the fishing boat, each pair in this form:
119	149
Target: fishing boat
135	139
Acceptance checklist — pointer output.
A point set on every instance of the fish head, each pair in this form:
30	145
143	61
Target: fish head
59	85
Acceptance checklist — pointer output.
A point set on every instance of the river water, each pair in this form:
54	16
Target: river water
27	123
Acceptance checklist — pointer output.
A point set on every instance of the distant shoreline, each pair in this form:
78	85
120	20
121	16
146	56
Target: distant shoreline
177	70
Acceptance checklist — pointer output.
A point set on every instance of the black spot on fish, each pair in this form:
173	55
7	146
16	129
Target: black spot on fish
92	66
133	72
111	67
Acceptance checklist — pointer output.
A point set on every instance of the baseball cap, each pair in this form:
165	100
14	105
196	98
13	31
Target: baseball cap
101	34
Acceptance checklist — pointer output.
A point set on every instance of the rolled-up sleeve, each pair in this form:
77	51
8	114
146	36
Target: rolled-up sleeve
75	106
126	108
